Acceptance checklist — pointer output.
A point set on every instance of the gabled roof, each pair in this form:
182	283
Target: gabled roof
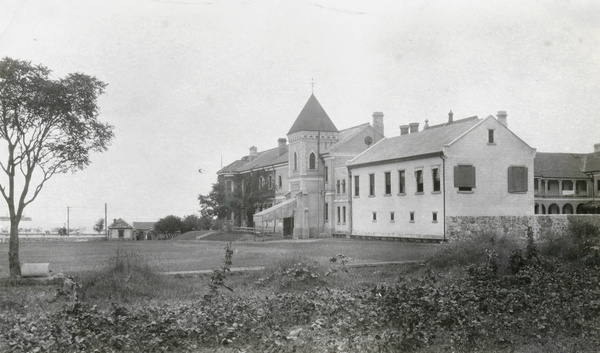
143	225
119	224
428	141
313	118
565	165
346	135
263	159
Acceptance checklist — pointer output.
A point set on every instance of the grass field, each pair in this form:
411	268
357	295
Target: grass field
190	255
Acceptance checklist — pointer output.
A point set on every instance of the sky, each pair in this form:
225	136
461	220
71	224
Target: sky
193	84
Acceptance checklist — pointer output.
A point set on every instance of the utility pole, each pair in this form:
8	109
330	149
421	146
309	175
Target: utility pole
68	226
105	219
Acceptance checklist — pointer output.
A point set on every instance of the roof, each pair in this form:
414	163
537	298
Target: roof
263	159
143	225
565	165
428	141
120	224
313	118
345	136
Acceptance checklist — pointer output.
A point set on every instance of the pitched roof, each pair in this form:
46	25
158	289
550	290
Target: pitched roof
592	163
347	135
263	159
119	223
562	165
143	225
431	140
313	118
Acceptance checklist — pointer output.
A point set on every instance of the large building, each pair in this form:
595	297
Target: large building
357	182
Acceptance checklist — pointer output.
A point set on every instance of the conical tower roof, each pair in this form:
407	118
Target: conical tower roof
313	118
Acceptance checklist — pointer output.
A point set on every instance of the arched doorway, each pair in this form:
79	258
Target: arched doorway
553	209
567	209
580	209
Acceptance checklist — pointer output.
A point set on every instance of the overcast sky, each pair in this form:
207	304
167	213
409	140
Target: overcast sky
191	82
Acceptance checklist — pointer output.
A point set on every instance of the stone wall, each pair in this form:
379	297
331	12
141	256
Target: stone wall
465	227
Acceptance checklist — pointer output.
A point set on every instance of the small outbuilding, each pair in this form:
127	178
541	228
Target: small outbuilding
143	230
119	229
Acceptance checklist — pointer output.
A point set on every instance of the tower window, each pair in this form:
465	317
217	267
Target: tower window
295	161
311	161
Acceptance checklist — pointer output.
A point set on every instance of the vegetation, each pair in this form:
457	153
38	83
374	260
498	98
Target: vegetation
47	127
169	226
99	226
533	298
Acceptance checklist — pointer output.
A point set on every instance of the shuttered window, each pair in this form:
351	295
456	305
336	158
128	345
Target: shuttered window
517	179
464	177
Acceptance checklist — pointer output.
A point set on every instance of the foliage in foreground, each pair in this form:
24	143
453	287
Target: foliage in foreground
537	303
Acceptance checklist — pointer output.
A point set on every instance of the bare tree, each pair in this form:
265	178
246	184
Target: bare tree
47	127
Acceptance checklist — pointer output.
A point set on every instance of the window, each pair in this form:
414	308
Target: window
279	182
401	182
371	184
435	175
434	217
419	180
412	216
374	216
517	179
344	214
260	182
326	216
388	183
311	161
343	186
392	217
337	187
356	186
464	177
598	185
229	186
490	136
326	174
338	214
270	181
295	161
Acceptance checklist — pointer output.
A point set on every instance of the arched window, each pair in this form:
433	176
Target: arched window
311	161
295	161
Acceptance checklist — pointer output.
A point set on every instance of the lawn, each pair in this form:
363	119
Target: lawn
190	255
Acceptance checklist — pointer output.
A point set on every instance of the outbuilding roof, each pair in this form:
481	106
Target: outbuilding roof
428	141
119	224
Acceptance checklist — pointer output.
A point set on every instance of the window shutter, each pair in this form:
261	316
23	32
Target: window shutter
517	179
464	176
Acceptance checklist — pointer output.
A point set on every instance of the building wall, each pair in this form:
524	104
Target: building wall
466	227
490	197
114	234
421	204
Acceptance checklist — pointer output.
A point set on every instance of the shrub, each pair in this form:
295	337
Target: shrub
126	276
293	273
580	243
483	248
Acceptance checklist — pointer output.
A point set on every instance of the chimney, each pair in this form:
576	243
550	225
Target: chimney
414	127
450	117
597	149
378	122
502	118
253	153
404	130
426	124
282	145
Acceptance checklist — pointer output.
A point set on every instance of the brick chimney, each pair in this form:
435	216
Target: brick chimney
282	145
450	117
404	130
502	118
414	127
378	122
253	153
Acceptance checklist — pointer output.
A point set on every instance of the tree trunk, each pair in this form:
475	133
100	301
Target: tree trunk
13	250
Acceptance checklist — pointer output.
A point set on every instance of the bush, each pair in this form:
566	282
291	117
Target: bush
580	243
127	275
483	248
